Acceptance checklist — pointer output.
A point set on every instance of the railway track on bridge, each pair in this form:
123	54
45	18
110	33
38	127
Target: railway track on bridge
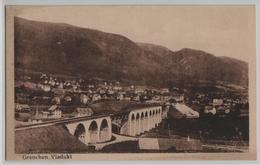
60	121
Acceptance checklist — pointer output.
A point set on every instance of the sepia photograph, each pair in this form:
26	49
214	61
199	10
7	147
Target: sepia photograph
161	81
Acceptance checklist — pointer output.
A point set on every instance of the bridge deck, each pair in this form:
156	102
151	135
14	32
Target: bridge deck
59	121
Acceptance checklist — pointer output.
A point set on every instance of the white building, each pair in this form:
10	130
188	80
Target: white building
187	111
217	102
84	99
80	112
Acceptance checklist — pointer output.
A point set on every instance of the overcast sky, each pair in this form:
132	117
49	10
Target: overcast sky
220	30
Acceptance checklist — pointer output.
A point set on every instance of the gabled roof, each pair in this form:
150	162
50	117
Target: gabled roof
21	106
53	108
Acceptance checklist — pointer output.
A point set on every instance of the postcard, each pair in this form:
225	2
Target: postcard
133	82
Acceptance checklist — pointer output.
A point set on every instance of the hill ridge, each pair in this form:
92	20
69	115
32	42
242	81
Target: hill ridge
68	49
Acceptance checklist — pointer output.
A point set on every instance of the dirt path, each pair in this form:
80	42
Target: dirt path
119	138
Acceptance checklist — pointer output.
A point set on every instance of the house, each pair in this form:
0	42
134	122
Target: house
117	88
35	120
110	92
22	108
43	76
91	86
60	85
127	98
74	87
46	88
179	98
144	97
210	109
221	110
45	82
139	90
56	100
57	84
80	112
51	82
120	96
54	112
217	102
102	91
30	85
186	111
156	98
96	97
164	90
84	99
136	98
68	98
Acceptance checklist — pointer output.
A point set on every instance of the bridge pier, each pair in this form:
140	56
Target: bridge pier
143	120
91	131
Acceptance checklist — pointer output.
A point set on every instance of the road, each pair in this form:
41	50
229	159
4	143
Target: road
118	138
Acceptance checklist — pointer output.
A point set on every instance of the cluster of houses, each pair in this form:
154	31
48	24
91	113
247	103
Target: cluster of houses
88	92
47	83
224	107
53	112
38	114
217	103
218	106
54	93
77	93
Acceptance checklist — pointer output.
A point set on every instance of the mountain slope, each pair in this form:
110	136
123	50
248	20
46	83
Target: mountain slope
66	49
54	47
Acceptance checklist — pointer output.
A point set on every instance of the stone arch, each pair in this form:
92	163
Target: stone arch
146	121
93	132
142	122
133	116
157	117
80	132
159	114
104	131
142	115
146	114
153	119
150	119
132	124
137	127
137	116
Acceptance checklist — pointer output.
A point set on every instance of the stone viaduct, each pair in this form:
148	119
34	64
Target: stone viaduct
92	130
142	120
133	122
139	120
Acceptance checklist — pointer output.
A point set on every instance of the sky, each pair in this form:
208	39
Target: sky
219	30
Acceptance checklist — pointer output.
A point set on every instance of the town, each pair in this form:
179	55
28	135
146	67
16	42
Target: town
45	97
41	98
